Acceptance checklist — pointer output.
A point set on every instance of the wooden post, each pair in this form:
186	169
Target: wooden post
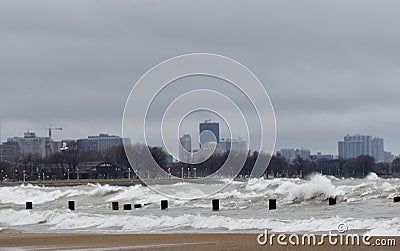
272	204
215	205
28	205
115	206
71	205
164	204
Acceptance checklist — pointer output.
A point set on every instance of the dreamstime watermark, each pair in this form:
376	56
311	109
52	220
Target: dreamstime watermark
333	239
138	121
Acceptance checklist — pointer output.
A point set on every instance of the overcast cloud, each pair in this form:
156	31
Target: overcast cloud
330	67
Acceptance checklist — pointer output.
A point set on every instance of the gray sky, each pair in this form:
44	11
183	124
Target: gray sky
330	67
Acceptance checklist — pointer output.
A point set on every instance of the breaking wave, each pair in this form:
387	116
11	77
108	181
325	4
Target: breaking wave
315	188
67	220
239	201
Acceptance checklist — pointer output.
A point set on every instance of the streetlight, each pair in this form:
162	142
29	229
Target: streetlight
64	148
129	173
182	172
24	175
194	169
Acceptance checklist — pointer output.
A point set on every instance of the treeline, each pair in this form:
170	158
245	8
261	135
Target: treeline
280	167
60	163
355	167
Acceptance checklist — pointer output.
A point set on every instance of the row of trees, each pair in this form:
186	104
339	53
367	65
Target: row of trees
280	167
357	167
69	161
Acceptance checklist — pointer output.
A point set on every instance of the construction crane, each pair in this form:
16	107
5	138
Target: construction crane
53	128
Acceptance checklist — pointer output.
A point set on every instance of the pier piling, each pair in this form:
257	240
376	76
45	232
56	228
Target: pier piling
71	205
272	204
164	204
115	206
215	205
127	206
28	205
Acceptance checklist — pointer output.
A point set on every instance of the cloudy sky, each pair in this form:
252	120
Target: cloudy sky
330	67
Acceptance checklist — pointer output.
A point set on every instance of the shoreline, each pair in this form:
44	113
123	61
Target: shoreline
183	241
58	183
115	182
124	181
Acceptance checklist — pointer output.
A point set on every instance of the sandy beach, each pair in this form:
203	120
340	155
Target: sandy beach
42	241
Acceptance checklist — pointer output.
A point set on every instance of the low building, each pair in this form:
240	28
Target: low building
320	156
290	154
100	143
100	170
233	145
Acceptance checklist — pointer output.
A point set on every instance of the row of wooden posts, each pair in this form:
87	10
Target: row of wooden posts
164	204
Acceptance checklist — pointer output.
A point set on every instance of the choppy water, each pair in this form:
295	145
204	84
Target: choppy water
365	205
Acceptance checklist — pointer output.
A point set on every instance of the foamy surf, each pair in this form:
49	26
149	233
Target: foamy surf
364	204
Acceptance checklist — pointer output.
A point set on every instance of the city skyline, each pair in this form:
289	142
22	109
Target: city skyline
193	143
329	68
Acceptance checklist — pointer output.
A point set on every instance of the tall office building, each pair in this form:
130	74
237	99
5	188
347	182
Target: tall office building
378	151
389	157
353	146
100	143
209	126
186	142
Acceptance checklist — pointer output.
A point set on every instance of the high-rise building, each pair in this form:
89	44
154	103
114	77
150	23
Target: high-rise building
378	151
100	143
30	144
353	146
209	126
389	157
185	153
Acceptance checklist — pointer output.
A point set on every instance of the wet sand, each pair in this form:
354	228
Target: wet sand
44	241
